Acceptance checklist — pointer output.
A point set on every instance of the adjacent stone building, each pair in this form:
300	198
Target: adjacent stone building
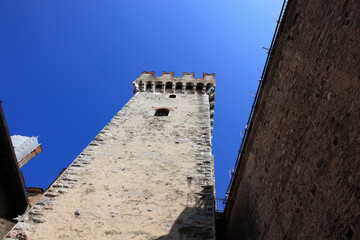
299	172
149	174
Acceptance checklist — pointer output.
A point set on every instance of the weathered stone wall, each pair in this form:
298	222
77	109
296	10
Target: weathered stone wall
5	227
299	176
143	177
34	194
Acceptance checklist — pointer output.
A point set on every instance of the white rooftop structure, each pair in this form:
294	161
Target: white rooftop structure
24	146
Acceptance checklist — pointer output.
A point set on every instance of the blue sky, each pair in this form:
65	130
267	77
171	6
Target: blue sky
66	67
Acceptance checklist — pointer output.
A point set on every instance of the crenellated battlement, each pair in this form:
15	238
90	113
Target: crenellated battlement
168	83
187	84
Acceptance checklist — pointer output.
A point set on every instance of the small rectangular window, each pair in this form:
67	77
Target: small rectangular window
162	112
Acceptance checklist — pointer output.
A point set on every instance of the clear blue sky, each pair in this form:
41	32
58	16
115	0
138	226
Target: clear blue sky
66	67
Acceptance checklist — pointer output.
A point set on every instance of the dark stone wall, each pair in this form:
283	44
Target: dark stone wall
5	227
299	177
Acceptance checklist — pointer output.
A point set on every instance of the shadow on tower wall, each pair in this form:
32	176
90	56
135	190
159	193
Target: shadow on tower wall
196	222
245	224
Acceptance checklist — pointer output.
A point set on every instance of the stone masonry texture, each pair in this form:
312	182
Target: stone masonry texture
299	175
142	177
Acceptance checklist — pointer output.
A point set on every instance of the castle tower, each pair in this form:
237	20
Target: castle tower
148	174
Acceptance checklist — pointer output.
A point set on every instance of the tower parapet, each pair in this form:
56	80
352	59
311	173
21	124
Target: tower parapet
187	84
167	83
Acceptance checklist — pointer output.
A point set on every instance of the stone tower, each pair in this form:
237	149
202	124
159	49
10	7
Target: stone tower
149	174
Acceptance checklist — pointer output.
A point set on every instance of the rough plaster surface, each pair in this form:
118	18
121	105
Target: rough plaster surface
143	177
5	227
299	177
